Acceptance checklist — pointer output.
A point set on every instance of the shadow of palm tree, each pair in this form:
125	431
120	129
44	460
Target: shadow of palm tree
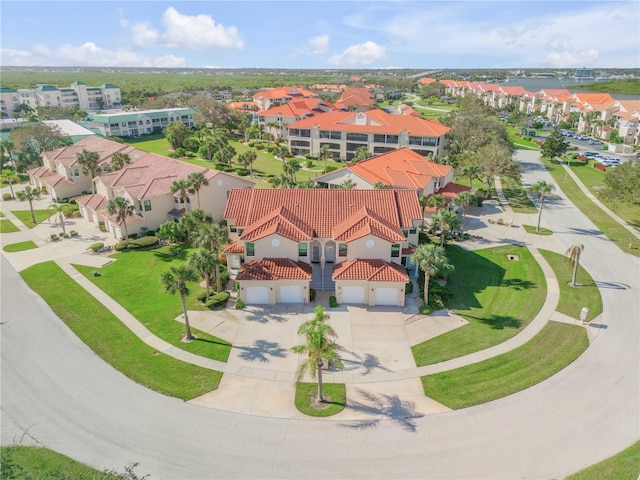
518	284
262	350
172	252
612	285
367	361
261	316
381	407
500	322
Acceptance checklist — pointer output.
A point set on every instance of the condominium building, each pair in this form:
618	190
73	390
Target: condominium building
139	122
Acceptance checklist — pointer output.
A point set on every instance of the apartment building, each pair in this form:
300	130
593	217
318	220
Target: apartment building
139	122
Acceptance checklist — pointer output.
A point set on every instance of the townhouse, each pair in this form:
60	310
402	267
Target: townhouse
146	184
139	122
279	95
61	174
357	99
378	131
354	243
276	119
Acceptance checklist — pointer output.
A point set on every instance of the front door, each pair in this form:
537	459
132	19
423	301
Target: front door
331	253
315	254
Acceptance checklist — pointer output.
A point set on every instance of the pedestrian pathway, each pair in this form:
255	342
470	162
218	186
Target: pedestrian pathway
501	196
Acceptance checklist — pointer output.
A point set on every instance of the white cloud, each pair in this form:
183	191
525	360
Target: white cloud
358	55
319	45
143	35
197	32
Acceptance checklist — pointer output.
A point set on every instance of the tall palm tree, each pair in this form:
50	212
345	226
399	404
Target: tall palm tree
197	181
431	259
464	200
181	187
29	194
247	158
446	221
324	155
192	220
471	171
436	201
213	237
175	281
11	177
89	162
60	209
574	253
121	208
319	347
541	188
204	263
119	160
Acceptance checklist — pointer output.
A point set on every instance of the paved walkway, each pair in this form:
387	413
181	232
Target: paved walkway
268	389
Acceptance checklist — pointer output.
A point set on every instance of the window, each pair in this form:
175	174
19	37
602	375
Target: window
76	173
358	137
395	250
240	230
233	229
250	249
342	249
302	249
147	205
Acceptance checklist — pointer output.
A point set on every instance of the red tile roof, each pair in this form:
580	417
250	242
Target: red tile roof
68	156
282	222
275	269
373	270
96	202
451	190
322	210
49	177
373	121
365	222
426	80
299	107
358	97
235	247
285	92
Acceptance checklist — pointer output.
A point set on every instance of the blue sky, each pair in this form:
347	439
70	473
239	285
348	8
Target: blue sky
345	34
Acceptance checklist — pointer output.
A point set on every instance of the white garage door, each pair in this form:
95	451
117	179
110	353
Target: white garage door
258	295
352	294
386	296
291	294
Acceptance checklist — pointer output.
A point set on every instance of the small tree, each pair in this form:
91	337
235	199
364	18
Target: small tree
541	188
574	253
431	259
555	145
213	237
181	187
176	133
89	162
464	200
175	281
197	181
446	221
11	177
119	160
204	263
29	194
319	347
60	209
121	208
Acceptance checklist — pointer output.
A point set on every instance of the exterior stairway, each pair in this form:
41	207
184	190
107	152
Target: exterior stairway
317	281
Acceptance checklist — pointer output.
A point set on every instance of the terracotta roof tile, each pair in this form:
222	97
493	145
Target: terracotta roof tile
365	222
96	202
285	92
282	222
275	269
373	270
235	247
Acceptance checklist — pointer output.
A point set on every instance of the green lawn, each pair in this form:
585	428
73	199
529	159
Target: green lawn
532	229
517	196
151	143
112	341
623	466
521	142
7	226
36	462
498	296
25	216
551	350
572	299
134	281
19	247
334	394
611	229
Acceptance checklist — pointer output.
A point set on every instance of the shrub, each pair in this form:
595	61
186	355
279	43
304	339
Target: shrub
242	172
252	143
500	221
425	309
218	300
330	168
260	147
236	286
239	305
96	246
308	163
7	196
54	236
312	294
173	155
66	235
333	302
133	236
73	233
136	243
150	233
408	288
227	169
180	151
202	296
102	227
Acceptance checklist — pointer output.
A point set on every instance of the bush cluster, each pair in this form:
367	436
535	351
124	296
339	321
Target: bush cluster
333	302
96	246
136	243
239	305
218	300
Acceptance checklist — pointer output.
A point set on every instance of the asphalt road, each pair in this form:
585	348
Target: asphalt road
57	393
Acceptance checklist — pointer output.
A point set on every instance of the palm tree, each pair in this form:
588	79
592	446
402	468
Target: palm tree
119	160
213	237
348	184
121	208
291	167
197	181
282	181
471	171
324	155
192	220
574	253
319	347
431	259
204	263
436	201
60	209
446	221
89	162
11	177
29	194
464	200
541	188
181	187
175	280
247	158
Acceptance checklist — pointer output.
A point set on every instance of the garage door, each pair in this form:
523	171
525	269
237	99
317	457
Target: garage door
258	295
386	296
352	294
291	294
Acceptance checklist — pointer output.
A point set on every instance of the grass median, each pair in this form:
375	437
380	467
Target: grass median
25	216
20	246
551	350
498	296
7	226
101	331
335	399
623	466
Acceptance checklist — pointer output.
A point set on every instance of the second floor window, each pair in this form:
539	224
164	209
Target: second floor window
302	250
395	250
250	249
342	249
147	205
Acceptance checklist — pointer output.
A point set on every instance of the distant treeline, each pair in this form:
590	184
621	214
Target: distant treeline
626	87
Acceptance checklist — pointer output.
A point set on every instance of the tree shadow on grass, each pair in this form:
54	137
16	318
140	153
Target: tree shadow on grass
518	284
172	252
500	322
261	350
381	407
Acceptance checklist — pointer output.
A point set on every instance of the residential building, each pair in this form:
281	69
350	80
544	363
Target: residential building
146	184
139	122
275	119
279	95
61	173
355	243
106	96
357	99
378	131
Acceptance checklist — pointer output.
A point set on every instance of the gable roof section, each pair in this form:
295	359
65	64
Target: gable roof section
105	149
282	222
299	107
321	210
373	270
274	269
96	202
285	92
365	222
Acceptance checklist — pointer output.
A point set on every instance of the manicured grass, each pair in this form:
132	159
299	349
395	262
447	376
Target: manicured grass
19	247
572	299
334	394
520	142
623	466
498	296
611	229
518	198
112	341
555	347
7	226
532	229
1	214
25	216
134	281
36	462
151	143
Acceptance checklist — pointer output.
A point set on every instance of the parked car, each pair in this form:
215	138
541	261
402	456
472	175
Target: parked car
594	142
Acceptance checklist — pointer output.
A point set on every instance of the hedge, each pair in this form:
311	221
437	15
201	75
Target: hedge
135	243
218	300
